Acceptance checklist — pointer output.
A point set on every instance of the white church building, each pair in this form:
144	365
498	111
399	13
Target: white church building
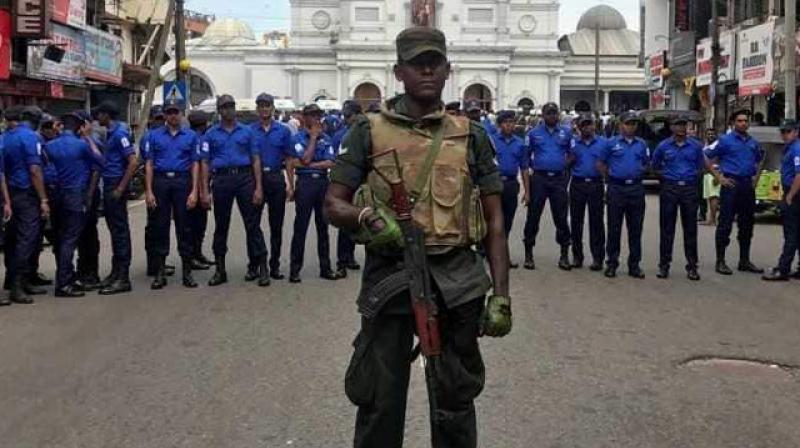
504	53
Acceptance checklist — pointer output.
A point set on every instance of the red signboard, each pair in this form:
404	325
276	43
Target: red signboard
682	15
60	11
30	18
5	44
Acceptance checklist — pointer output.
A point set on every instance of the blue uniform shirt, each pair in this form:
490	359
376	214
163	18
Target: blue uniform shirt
679	162
491	129
511	156
790	164
73	160
338	138
625	160
323	151
49	172
118	148
227	149
274	144
22	148
739	155
172	152
2	163
548	147
587	153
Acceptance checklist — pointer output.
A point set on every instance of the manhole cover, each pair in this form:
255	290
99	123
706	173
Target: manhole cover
741	367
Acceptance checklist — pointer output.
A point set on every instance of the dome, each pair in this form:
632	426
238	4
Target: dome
227	31
603	17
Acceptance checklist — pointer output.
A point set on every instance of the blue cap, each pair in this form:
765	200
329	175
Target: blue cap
156	111
265	98
550	107
172	104
584	118
627	117
788	125
504	115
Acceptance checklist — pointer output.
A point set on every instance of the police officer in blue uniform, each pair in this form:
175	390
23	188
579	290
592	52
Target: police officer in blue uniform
587	191
5	202
315	157
172	173
512	159
790	208
230	151
88	265
345	246
120	166
155	120
46	124
22	157
625	160
74	156
274	142
681	161
738	155
549	148
198	216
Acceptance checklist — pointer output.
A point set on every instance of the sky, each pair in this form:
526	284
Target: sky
268	15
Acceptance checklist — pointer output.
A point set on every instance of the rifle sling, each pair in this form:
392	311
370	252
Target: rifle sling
425	173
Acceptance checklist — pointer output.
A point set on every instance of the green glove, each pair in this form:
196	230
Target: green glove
496	319
390	237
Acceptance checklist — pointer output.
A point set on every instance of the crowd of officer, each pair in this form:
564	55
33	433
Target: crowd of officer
59	170
580	172
60	174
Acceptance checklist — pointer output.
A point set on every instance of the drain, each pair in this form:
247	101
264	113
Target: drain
743	367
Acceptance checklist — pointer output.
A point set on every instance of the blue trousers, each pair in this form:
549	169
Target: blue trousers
198	223
582	196
791	233
274	186
554	189
509	200
677	198
116	213
89	242
227	189
22	240
737	202
310	197
171	194
625	202
71	213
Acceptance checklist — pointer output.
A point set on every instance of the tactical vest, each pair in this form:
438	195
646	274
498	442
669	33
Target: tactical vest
448	208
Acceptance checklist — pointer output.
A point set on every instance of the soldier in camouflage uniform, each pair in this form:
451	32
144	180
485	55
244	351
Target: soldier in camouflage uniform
458	208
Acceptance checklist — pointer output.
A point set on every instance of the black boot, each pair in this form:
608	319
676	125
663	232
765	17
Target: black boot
252	272
663	271
341	271
203	259
721	267
38	279
111	277
70	291
31	289
188	279
160	279
198	265
611	271
529	264
263	273
120	284
692	274
745	265
563	262
636	272
17	293
4	300
220	276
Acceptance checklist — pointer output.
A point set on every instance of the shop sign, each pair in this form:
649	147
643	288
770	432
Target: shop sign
103	56
655	67
755	64
727	43
5	44
70	12
30	18
72	66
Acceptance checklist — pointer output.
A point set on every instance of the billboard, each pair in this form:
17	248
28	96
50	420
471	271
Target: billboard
103	56
70	12
72	66
754	61
727	43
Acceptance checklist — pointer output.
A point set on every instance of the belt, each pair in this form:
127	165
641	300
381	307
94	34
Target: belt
619	181
587	180
171	174
547	173
245	169
268	169
314	175
680	183
508	178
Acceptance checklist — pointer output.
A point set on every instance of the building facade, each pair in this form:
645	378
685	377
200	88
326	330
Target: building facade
505	54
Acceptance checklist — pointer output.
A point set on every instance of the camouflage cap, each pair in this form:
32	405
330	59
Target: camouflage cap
417	40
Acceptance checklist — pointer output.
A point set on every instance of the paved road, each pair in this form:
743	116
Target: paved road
591	362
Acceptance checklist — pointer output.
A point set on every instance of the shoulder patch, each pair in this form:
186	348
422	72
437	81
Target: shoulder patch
125	142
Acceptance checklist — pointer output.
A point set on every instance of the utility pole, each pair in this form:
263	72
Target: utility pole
715	54
790	89
597	68
180	41
158	59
